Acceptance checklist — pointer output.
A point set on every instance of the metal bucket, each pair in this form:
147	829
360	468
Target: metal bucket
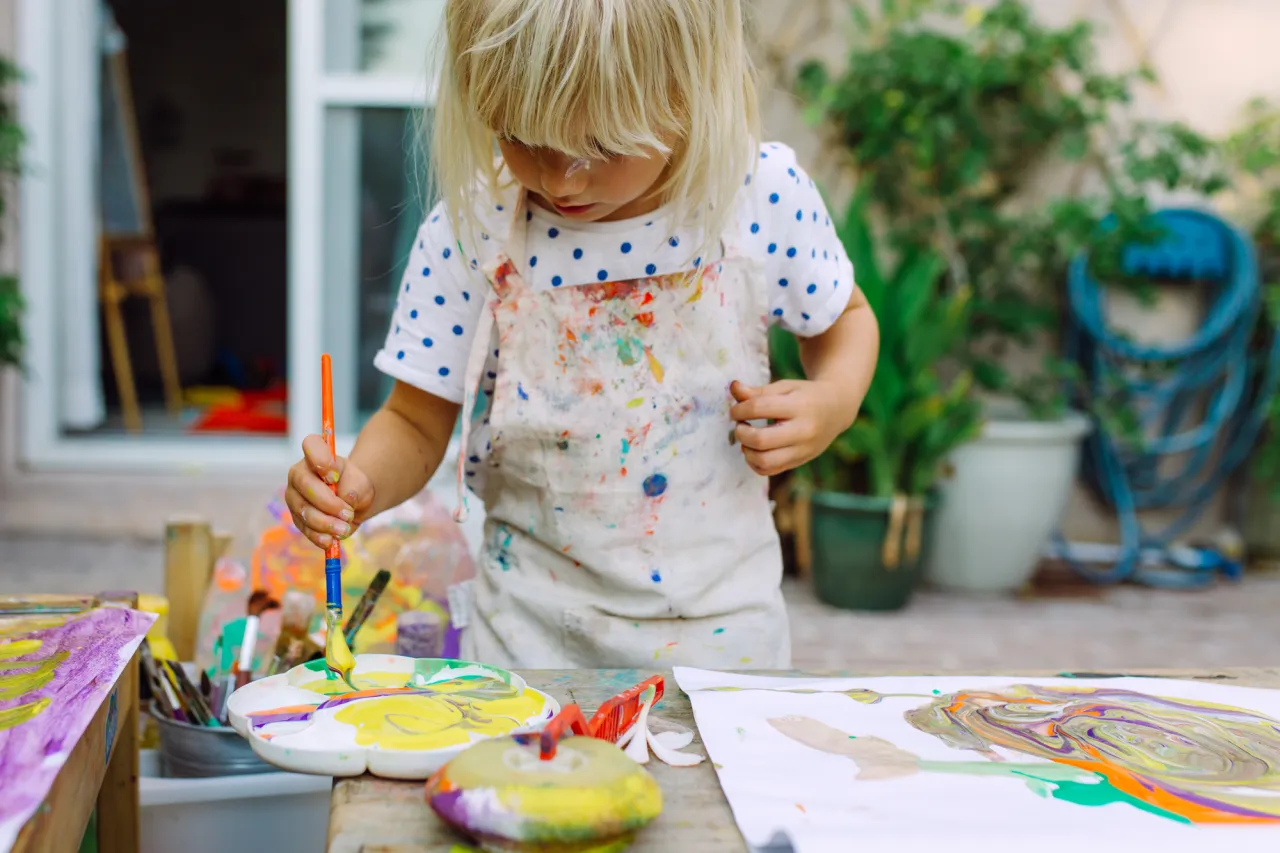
188	751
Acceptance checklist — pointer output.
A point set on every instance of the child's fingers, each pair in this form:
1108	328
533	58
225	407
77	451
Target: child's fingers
356	489
770	462
313	491
776	407
314	524
742	392
783	434
316	452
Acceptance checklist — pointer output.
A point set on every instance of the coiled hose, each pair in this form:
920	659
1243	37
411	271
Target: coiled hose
1200	403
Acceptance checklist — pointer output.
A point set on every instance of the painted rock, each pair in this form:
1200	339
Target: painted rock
589	797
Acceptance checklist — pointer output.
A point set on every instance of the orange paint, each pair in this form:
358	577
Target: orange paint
645	319
624	472
648	297
801	808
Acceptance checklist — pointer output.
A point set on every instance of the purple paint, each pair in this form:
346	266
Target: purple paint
97	645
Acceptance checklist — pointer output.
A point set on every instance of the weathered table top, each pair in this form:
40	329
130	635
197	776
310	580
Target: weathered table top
371	815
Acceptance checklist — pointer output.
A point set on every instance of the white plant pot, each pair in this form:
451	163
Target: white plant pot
1008	492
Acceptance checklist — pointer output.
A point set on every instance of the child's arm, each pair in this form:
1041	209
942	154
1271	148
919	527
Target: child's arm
395	455
810	414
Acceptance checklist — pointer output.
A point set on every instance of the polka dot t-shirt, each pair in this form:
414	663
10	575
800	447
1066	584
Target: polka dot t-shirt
783	222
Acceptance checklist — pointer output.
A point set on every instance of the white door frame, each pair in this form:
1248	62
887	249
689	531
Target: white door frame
44	240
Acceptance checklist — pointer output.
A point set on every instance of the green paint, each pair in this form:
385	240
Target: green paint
718	631
937	693
630	351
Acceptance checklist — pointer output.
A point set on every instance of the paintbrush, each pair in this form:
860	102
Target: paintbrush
367	602
199	709
337	655
295	622
260	602
161	693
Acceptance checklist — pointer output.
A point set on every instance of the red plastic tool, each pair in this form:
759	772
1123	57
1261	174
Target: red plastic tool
610	721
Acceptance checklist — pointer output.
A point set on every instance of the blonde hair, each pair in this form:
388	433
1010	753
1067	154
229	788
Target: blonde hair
584	77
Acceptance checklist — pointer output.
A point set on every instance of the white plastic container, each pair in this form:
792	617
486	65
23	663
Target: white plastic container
279	812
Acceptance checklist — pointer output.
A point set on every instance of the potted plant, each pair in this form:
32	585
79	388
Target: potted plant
872	495
11	139
946	114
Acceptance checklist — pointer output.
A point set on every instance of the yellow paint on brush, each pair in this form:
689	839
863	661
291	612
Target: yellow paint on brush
337	654
435	720
329	687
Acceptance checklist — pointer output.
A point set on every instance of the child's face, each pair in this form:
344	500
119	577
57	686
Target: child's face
619	187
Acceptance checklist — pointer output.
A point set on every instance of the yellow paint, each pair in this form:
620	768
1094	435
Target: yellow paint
21	683
436	720
655	366
18	715
330	687
337	654
636	403
18	648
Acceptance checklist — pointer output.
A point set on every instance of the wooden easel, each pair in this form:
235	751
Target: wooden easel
128	259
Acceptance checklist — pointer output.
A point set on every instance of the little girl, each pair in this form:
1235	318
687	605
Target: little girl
608	283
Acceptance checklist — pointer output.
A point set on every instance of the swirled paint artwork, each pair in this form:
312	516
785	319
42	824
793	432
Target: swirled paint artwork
406	719
1064	762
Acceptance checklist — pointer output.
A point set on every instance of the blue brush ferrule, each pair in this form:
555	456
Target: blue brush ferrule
333	583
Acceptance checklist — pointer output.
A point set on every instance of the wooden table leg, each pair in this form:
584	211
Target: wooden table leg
118	819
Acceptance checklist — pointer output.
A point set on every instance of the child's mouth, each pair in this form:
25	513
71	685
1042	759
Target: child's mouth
572	209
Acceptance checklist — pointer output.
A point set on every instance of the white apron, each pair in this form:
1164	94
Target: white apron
624	527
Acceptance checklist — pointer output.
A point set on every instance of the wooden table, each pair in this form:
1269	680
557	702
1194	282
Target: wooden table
371	815
101	772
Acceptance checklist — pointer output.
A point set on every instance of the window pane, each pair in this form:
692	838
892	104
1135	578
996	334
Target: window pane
375	185
380	36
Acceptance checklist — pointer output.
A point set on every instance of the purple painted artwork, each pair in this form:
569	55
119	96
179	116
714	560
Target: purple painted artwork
55	672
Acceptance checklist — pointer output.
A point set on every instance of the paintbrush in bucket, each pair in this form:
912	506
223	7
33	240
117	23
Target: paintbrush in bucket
295	622
365	607
260	602
337	655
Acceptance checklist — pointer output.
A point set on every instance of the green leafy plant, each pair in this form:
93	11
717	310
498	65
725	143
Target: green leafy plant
11	141
946	116
912	418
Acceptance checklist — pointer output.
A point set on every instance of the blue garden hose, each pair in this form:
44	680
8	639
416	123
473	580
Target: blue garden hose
1186	456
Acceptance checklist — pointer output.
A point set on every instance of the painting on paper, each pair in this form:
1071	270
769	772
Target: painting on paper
982	763
55	671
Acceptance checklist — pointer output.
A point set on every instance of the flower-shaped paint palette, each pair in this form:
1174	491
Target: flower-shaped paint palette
408	717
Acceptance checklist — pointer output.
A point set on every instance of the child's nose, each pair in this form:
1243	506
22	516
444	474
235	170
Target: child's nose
559	179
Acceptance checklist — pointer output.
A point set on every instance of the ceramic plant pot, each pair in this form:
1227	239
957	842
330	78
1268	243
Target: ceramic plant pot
868	553
1008	493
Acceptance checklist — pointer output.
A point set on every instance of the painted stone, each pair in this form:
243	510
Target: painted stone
589	797
406	720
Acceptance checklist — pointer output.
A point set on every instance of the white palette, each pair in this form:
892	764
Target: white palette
408	718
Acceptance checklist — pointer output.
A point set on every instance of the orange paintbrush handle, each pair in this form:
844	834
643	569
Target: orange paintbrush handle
326	422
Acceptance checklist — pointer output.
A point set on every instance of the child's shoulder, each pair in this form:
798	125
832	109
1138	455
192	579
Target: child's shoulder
486	223
776	170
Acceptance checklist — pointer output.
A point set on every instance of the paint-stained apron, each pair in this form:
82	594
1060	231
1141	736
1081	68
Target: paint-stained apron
624	527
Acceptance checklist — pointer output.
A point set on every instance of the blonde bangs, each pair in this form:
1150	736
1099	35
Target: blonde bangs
593	78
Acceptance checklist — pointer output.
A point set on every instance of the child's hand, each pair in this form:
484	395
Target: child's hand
808	416
317	511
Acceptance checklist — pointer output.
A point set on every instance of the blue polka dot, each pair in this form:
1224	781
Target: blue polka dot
602	275
400	354
577	254
466	296
626	247
533	262
815	216
474	460
836	283
457	330
782	282
697	262
500	207
773	198
419	244
447	253
791	172
826	220
813	253
444	371
813	288
764	156
806	316
553	233
437	216
824	254
406	287
651	269
397	328
427	342
475	264
773	247
799	215
439	300
777	312
747	182
413	315
655	485
426	271
492	375
556	281
755	227
674	241
791	253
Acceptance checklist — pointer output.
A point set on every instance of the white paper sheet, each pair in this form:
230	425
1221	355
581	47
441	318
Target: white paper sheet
837	774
